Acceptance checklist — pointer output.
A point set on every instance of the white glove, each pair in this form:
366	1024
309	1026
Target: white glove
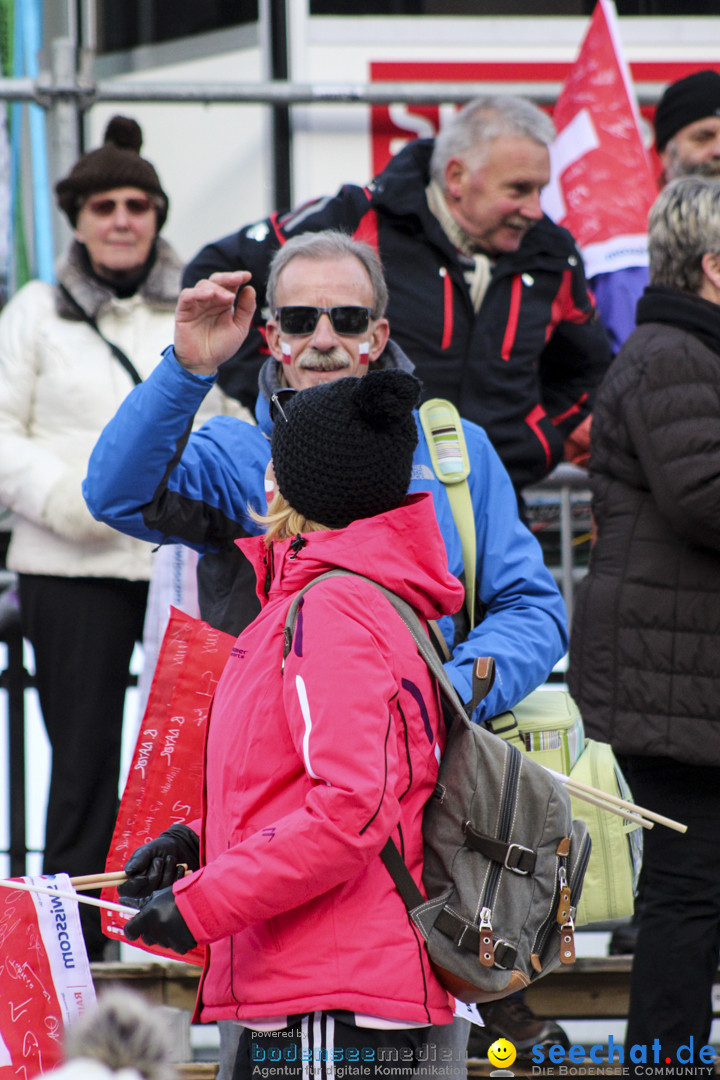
66	514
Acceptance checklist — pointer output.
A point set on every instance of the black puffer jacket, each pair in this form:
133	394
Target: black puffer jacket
645	645
525	367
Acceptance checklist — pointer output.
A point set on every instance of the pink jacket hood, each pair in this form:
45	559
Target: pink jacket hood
401	549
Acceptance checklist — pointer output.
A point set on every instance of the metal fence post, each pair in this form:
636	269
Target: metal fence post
13	681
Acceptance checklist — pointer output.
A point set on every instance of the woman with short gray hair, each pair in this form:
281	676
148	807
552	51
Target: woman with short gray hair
684	226
644	657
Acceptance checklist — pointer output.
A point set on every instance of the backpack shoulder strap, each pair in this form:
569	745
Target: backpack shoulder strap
413	623
448	452
390	855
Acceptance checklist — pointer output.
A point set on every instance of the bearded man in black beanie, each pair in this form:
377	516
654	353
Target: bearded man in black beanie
687	126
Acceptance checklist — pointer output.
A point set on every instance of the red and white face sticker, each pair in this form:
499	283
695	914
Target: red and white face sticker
269	482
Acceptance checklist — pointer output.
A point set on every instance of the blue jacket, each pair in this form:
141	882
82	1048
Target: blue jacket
150	478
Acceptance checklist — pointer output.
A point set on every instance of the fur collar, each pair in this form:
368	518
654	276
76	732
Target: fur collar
159	290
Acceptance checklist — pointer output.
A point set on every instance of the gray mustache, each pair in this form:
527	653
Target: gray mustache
334	360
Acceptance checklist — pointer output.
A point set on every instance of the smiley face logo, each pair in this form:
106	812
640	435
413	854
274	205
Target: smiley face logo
502	1053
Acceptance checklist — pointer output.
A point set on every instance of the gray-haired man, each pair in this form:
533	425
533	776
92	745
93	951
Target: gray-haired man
487	295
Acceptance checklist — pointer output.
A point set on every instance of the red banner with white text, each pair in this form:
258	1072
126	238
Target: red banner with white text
45	979
164	785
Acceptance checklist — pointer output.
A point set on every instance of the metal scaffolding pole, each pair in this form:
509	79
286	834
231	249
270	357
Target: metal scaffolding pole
84	93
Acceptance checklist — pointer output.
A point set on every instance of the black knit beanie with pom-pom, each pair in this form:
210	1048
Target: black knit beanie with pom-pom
345	449
116	164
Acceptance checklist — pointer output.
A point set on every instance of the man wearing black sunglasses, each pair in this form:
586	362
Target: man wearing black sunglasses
149	477
314	339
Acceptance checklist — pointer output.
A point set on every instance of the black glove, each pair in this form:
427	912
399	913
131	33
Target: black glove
156	865
159	922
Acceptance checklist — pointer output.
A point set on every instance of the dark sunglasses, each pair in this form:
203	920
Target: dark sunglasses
278	400
106	207
303	320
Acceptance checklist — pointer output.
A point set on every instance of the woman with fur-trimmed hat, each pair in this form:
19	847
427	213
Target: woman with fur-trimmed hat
69	354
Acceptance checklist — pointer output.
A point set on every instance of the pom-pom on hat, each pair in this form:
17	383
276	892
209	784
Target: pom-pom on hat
685	101
344	450
116	164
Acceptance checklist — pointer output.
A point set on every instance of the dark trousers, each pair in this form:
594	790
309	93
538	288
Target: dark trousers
323	1046
676	955
83	632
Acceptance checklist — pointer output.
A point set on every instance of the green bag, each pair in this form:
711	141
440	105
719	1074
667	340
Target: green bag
548	727
612	873
546	724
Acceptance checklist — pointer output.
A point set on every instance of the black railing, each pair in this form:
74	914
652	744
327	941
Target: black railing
14	680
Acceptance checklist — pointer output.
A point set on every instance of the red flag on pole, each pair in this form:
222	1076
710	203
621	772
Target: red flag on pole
602	184
164	785
45	979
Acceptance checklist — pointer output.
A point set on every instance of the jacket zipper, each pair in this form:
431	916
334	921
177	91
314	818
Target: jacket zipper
269	570
447	308
513	317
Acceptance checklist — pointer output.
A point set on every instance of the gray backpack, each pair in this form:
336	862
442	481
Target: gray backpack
504	860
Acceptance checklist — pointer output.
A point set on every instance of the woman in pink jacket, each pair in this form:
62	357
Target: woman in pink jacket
310	767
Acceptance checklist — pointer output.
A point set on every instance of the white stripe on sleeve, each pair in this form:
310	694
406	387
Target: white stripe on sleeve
305	709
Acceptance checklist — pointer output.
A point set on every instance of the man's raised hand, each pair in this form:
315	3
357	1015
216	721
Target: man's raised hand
212	319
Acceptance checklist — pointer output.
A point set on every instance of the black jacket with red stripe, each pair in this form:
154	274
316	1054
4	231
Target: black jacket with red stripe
525	367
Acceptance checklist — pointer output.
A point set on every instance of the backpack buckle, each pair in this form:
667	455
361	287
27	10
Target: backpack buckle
505	954
519	859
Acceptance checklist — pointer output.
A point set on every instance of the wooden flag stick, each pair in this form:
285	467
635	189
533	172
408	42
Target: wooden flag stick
628	815
26	886
98	881
669	823
577	787
105	881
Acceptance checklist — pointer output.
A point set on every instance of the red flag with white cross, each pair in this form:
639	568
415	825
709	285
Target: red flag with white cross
603	183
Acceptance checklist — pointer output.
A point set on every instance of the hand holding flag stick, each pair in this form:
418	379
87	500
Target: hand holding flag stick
86	881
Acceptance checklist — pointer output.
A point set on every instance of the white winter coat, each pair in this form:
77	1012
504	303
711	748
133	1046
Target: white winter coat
59	385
